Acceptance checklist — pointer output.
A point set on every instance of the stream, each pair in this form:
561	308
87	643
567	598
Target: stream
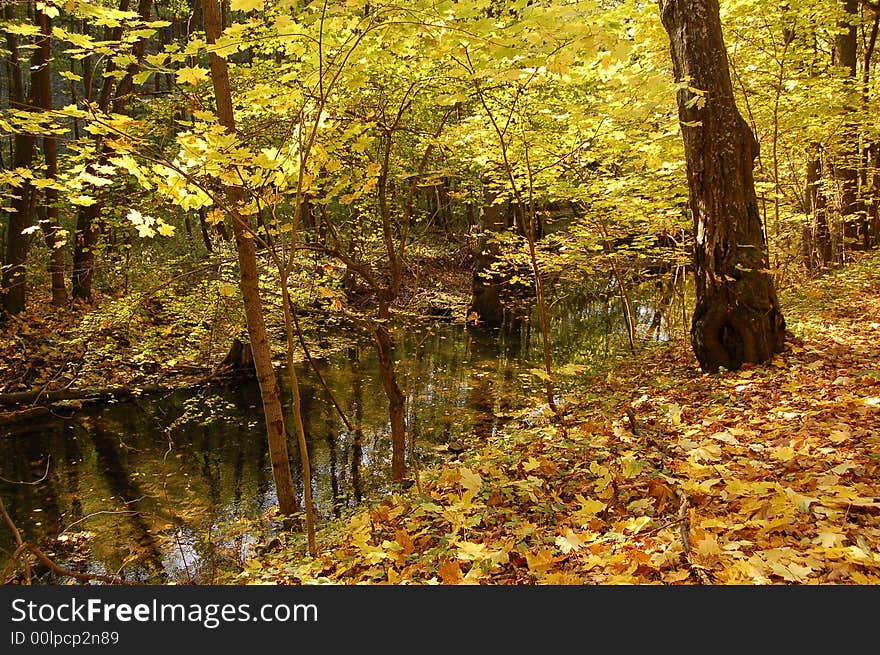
174	487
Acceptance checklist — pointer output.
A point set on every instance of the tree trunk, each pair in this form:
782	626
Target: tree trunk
845	169
42	83
737	318
817	237
874	226
85	242
288	502
396	400
486	302
13	282
87	222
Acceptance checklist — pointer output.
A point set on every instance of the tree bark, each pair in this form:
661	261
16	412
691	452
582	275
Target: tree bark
737	319
42	76
13	282
396	400
288	502
486	302
845	169
817	239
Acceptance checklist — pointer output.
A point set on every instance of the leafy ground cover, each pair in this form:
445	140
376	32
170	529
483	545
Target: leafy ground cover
659	474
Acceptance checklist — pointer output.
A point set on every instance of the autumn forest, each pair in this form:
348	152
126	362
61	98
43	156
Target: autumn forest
498	292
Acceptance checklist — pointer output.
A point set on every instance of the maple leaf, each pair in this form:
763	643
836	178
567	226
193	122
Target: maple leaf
540	561
470	480
469	550
165	229
449	572
406	543
192	75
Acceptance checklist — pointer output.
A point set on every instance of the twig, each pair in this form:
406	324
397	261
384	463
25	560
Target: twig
683	520
46	560
103	511
684	529
18	540
35	482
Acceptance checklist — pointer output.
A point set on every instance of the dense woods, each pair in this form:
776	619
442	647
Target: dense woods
201	192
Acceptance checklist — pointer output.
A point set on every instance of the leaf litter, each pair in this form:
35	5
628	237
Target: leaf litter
658	474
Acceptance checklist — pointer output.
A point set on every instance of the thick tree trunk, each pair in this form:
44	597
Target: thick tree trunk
737	318
288	502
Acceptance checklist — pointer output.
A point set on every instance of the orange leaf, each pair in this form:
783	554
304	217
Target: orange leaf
450	572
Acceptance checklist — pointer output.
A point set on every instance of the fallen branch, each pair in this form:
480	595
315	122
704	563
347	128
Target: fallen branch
46	397
57	569
684	529
19	416
45	560
43	397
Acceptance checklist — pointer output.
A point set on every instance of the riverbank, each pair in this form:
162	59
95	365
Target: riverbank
177	334
658	475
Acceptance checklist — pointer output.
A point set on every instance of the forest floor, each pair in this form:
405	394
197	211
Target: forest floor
767	475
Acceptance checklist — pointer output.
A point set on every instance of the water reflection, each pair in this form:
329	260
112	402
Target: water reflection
157	487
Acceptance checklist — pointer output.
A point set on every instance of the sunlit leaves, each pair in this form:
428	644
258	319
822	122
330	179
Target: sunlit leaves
147	226
246	5
193	75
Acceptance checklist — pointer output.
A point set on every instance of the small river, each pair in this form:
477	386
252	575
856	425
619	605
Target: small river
176	487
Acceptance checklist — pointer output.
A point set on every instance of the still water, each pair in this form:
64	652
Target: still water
175	487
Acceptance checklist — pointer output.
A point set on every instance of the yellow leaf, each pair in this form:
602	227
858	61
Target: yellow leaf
470	550
562	579
588	510
531	464
246	5
192	75
725	437
470	480
541	561
784	454
674	412
840	435
708	546
677	576
214	217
